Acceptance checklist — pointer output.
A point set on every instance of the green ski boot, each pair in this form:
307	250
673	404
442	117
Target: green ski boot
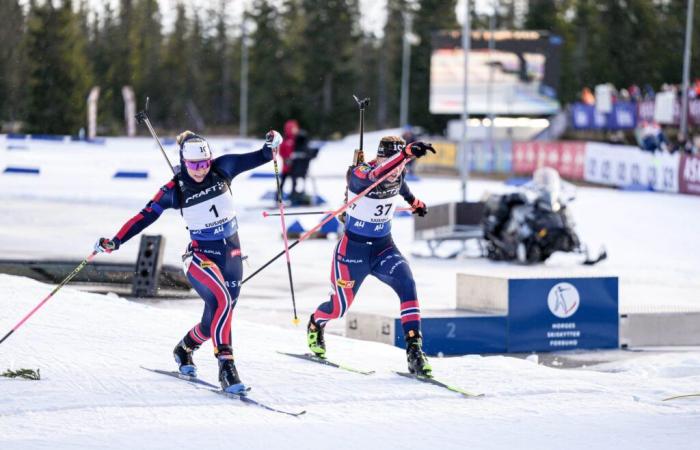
314	338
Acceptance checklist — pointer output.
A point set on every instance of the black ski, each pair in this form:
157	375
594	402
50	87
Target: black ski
435	382
189	378
681	396
245	399
325	362
217	390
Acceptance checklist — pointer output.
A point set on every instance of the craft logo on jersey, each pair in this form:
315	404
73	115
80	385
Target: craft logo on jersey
563	300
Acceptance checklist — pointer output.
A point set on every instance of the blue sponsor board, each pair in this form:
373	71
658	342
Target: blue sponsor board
622	117
496	158
562	314
22	170
130	174
459	334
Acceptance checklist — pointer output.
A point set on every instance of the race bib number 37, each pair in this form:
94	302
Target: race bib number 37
374	210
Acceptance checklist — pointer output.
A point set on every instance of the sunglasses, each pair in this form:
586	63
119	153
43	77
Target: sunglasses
198	165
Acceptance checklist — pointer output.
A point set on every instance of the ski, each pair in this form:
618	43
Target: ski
181	376
201	384
435	382
681	396
245	399
325	362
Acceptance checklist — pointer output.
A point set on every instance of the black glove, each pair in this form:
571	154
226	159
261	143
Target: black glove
418	149
106	245
419	207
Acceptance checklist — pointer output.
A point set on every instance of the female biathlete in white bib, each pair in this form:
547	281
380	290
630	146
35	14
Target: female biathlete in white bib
213	260
367	248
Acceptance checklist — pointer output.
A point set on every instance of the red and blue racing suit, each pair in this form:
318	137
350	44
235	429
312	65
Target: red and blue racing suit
213	262
368	248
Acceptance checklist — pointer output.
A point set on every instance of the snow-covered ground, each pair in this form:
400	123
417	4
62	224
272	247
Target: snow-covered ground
89	347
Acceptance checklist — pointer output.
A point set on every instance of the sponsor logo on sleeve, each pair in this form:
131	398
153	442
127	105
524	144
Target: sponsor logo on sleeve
345	284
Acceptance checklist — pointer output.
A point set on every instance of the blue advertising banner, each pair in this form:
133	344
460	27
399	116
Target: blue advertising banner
491	159
622	117
562	314
460	334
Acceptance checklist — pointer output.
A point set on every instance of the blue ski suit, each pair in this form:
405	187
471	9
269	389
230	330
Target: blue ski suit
368	248
213	261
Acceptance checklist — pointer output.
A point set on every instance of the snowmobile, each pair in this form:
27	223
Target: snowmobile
529	225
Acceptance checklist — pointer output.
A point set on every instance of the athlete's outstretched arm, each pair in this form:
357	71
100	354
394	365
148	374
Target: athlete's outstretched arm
232	165
166	197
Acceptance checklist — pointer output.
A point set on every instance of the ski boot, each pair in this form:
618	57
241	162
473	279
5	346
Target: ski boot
417	361
183	356
314	338
228	375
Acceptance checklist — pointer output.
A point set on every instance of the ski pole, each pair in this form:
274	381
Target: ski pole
267	214
142	117
284	235
331	215
63	283
359	154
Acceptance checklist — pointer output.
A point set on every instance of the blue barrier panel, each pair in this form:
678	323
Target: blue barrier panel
262	175
637	188
272	195
129	174
47	137
459	334
16	136
412	177
295	228
562	314
517	181
332	226
25	170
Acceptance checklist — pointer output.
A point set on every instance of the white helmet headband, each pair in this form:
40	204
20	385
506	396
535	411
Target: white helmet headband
195	148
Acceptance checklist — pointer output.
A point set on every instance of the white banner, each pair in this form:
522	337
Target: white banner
621	165
664	105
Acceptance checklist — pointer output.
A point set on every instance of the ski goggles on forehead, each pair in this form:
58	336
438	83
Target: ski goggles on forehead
198	165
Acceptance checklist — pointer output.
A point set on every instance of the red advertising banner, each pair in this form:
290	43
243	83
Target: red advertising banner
567	157
689	175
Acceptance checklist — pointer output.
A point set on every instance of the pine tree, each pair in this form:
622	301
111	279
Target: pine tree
432	16
218	60
176	66
293	24
329	40
144	55
266	61
12	60
59	78
389	65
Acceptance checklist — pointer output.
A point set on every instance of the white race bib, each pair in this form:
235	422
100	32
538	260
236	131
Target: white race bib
212	213
373	210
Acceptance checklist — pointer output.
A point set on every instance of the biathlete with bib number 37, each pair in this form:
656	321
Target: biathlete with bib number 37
213	262
368	248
